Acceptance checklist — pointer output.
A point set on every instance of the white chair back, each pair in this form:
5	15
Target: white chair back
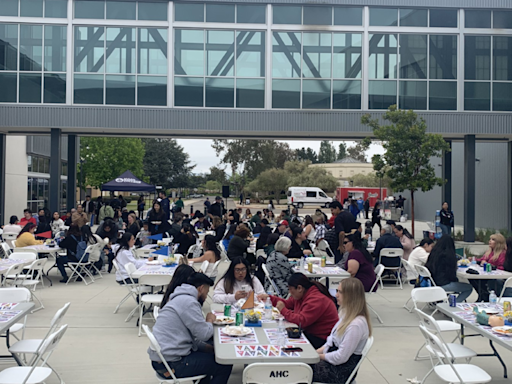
267	275
37	265
214	270
411	271
436	345
204	266
277	373
94	251
59	315
9	238
390	253
25	250
156	309
379	269
14	295
153	343
366	350
427	295
13	272
130	269
508	284
425	273
23	256
6	248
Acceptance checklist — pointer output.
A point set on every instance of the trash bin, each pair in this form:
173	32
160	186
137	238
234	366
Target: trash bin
247	201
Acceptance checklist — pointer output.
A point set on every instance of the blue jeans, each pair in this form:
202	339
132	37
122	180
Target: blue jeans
195	364
463	290
446	230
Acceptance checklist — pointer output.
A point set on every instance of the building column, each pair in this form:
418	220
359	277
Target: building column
3	139
447	176
509	184
71	190
469	187
55	169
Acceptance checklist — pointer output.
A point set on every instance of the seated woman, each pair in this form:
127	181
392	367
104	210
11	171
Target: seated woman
132	226
108	230
309	228
236	283
359	263
123	255
507	266
419	255
300	246
186	238
278	266
495	256
70	244
344	347
180	276
211	255
406	239
26	236
442	264
311	306
239	243
219	227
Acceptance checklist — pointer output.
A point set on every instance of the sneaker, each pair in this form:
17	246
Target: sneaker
63	280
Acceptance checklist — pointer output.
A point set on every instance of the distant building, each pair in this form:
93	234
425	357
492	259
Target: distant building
346	168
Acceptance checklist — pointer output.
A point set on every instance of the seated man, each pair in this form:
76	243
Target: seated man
386	240
182	333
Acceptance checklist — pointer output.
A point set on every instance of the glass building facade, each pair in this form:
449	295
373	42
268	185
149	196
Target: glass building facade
254	56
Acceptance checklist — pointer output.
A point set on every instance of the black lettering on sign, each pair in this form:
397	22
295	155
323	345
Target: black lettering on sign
278	373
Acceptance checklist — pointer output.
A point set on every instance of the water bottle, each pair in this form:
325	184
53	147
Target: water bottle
268	309
370	238
280	326
493	299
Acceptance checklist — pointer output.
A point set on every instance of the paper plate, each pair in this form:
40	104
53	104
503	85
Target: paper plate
505	330
237	331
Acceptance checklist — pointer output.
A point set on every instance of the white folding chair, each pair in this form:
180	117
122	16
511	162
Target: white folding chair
508	284
35	374
392	256
11	276
366	350
192	250
449	372
9	238
223	253
333	284
204	266
15	295
378	274
94	257
153	298
272	284
133	289
323	245
32	277
412	274
5	249
156	309
80	269
18	255
153	344
277	373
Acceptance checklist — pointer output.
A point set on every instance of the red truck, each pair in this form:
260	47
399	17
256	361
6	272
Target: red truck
343	193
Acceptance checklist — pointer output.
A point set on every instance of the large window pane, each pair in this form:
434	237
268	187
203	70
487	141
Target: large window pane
477	96
30	87
89	49
220	53
9	87
413	95
443	57
8	7
443	96
31	47
502	19
346	61
121	10
189	12
383	57
8	47
346	94
286	52
220	93
189	48
251	13
151	90
316	57
188	91
413	56
381	94
55	39
85	9
316	94
384	17
31	8
317	15
120	90
220	13
502	58
446	18
477	61
477	18
502	96
284	14
56	8
54	88
348	16
285	93
152	48
88	89
121	46
250	50
250	93
413	17
152	11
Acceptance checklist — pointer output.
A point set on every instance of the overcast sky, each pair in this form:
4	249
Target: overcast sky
203	155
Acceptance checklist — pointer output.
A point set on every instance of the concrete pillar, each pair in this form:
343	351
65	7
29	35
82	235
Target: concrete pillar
469	187
447	176
3	159
71	192
55	169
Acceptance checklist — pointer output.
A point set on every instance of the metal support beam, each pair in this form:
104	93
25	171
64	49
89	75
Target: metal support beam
55	167
71	185
3	138
447	176
469	187
509	184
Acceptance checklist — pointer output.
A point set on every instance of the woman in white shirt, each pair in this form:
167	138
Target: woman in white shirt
309	228
344	347
419	255
123	255
236	283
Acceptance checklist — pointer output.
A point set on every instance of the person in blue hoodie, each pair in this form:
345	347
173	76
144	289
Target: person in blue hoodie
183	335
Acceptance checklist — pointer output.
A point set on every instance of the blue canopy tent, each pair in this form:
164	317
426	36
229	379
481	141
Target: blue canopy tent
127	182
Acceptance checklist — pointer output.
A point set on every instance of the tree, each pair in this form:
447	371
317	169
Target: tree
327	153
271	181
212	186
370	180
167	164
105	158
408	150
300	174
357	151
342	151
306	154
217	174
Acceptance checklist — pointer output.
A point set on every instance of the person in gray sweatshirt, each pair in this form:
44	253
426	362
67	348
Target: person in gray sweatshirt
183	333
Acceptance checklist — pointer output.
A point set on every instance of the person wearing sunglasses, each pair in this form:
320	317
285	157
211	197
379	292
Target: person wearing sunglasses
236	283
359	263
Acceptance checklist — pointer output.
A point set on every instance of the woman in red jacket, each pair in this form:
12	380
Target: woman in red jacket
310	306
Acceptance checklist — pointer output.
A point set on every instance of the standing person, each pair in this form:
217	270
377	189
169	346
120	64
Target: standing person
319	228
406	239
57	224
366	208
400	204
164	204
88	205
207	205
447	220
242	198
179	203
270	206
122	202
79	217
140	206
157	219
98	205
360	205
27	218
105	211
216	209
354	208
376	218
344	223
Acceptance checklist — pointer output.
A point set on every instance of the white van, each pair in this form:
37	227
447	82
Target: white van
300	196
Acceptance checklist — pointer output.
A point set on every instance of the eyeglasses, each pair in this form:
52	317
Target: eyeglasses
346	242
240	270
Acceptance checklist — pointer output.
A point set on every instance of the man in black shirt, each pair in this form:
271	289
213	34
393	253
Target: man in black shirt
344	223
217	208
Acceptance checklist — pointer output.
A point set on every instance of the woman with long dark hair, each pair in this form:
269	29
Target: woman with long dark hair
186	238
70	244
376	215
123	255
26	236
359	263
236	283
309	228
211	254
310	306
157	219
300	246
239	243
180	276
406	239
